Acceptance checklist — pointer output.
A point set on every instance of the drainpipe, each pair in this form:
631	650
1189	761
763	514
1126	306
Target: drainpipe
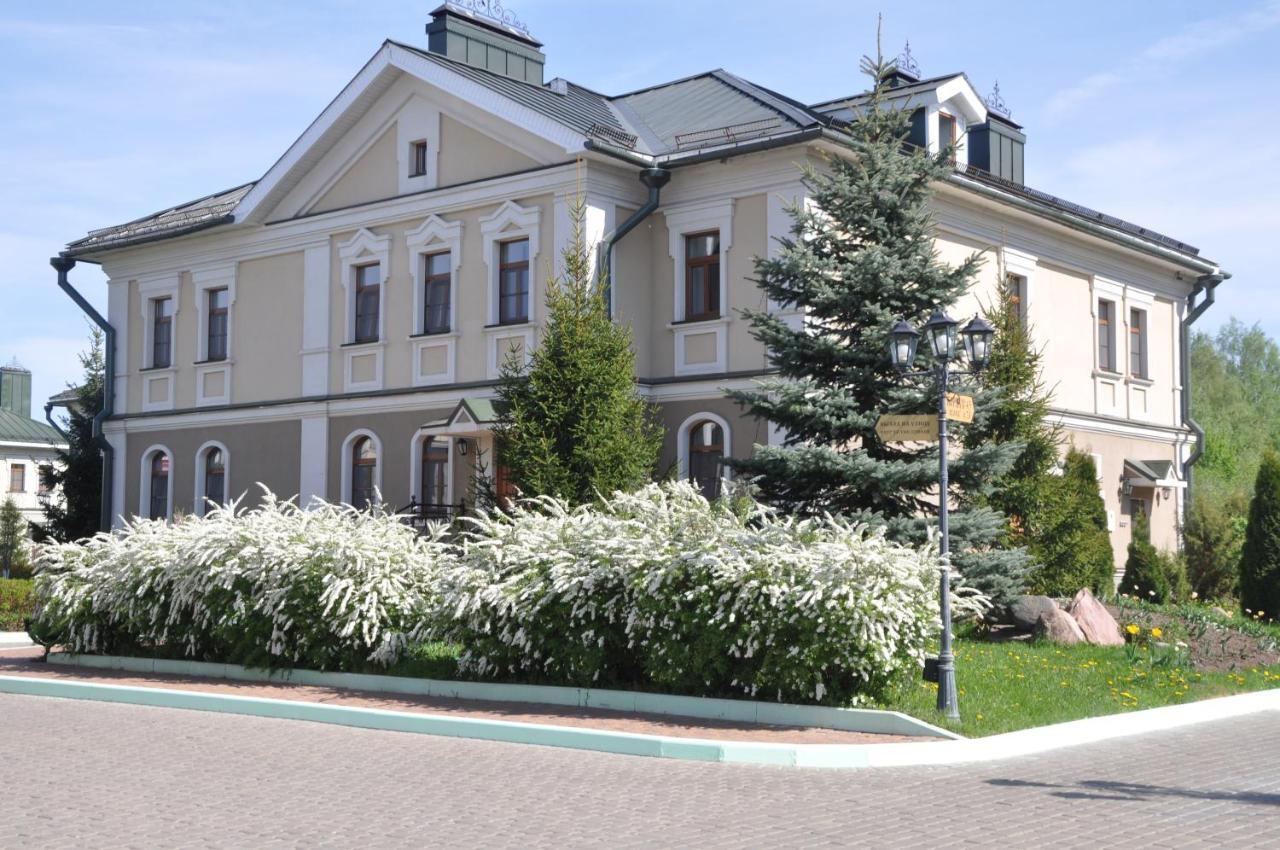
655	178
1206	284
63	265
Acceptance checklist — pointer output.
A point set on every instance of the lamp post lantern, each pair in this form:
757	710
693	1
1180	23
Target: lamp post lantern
941	333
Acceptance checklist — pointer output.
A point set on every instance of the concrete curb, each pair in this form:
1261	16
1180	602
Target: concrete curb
739	711
15	640
1026	742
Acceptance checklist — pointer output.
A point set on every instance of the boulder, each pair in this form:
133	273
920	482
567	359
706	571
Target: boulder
1025	611
1058	626
1095	620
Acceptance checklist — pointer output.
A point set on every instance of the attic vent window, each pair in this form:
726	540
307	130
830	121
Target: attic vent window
417	158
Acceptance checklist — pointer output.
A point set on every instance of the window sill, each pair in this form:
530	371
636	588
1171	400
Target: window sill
450	334
1107	375
159	369
225	361
368	344
508	326
1139	381
682	324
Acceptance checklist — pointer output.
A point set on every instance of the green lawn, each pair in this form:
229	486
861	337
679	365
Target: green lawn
1007	686
16	603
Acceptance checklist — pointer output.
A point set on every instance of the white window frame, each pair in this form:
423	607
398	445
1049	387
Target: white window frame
1130	309
682	443
417	121
363	249
199	500
682	222
204	281
434	236
345	464
416	448
144	481
508	223
150	290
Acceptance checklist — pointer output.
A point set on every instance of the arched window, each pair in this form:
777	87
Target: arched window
435	473
364	468
706	455
215	477
158	503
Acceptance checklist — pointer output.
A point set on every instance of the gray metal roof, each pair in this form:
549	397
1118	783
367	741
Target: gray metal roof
713	109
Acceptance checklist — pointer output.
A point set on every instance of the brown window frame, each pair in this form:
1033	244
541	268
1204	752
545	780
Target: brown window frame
519	266
209	475
358	463
216	313
362	289
711	282
418	158
428	280
160	322
17	478
1138	343
159	496
716	449
1106	335
434	465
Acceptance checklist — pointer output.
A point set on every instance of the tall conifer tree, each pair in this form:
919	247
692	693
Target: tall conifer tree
78	473
861	258
1260	560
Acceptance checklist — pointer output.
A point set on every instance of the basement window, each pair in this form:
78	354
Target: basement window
417	158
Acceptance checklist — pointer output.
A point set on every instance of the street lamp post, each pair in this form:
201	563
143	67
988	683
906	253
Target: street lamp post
903	342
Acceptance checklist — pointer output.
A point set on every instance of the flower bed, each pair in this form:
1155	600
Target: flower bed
16	603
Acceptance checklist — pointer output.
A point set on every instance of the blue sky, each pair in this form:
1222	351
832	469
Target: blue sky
1162	113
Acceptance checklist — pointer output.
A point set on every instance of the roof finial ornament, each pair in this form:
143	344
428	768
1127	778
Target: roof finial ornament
996	103
906	62
494	11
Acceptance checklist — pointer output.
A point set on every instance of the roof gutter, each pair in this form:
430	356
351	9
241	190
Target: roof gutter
655	178
1206	284
63	265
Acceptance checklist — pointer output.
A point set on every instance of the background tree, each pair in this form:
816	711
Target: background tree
857	263
572	424
1260	558
13	536
79	469
1066	532
1212	540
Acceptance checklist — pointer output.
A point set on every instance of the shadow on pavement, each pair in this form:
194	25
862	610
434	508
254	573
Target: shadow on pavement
1102	789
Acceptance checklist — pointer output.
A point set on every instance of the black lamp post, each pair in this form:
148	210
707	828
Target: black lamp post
904	340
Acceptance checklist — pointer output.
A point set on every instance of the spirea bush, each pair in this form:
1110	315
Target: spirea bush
661	588
329	588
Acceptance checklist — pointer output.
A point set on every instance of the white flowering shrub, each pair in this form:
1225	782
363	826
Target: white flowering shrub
661	588
328	587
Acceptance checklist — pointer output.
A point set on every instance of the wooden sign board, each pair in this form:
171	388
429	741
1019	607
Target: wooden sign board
908	428
959	407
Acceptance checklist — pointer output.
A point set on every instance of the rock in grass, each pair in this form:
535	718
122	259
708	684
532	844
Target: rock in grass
1095	621
1058	626
1025	611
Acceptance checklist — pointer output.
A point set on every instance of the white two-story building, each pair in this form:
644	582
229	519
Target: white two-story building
335	328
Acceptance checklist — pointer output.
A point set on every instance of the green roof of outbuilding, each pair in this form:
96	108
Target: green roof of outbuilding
20	429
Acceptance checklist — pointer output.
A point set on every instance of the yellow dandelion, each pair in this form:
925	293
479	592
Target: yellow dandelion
1132	629
1156	633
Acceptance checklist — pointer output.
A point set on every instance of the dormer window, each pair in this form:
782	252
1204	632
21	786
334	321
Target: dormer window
947	134
418	158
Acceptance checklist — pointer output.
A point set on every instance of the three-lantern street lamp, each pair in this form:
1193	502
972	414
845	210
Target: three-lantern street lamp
940	331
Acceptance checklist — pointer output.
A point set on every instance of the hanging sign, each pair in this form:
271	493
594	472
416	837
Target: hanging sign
959	407
908	428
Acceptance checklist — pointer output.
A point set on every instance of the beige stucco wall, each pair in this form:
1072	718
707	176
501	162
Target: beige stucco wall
396	431
634	302
373	176
266	452
467	154
267	329
744	431
750	240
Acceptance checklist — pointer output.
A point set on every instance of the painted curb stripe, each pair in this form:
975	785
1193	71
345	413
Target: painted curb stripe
740	711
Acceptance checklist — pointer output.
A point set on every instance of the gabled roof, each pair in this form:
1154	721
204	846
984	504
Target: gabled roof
713	113
15	428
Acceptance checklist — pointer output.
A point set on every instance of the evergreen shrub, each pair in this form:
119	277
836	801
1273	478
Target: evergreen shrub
1146	572
1067	533
1260	558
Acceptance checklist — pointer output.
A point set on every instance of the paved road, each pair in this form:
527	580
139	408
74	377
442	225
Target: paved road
81	774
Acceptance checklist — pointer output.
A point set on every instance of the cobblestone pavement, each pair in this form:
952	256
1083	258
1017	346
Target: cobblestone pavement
84	774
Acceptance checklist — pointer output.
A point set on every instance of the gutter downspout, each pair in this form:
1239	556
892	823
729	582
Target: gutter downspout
63	265
48	417
655	177
1206	283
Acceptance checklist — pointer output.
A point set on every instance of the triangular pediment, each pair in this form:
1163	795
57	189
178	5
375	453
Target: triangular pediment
361	148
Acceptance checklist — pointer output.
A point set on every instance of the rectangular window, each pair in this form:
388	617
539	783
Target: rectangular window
513	282
1106	336
368	302
219	301
1138	343
17	478
702	276
435	296
43	475
417	159
162	333
946	133
1018	294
